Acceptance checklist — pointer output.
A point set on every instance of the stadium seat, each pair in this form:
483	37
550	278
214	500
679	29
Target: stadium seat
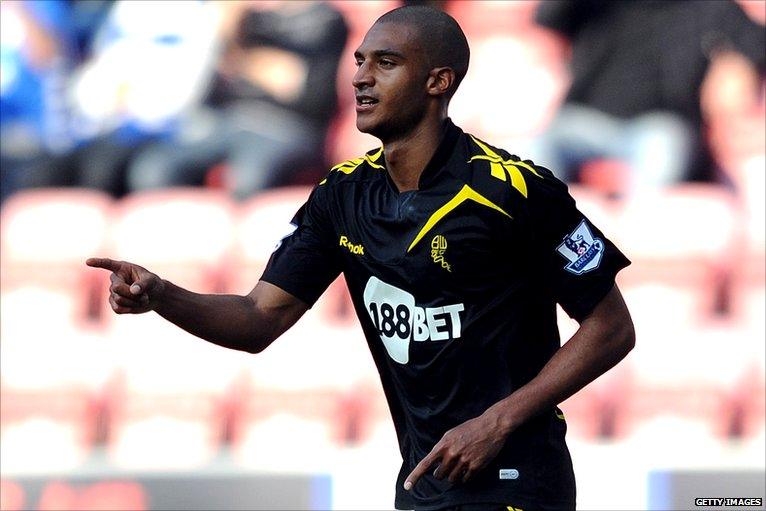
602	211
40	350
684	378
681	243
167	406
489	16
501	104
361	15
45	431
182	234
261	222
46	237
372	417
313	356
611	177
273	425
12	496
164	430
750	281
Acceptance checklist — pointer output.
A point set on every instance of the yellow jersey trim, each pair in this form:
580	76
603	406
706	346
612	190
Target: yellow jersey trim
465	193
498	167
349	166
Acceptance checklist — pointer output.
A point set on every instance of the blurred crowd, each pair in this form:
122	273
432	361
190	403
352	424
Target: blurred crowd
123	96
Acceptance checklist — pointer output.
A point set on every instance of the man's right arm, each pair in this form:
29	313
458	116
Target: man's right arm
246	323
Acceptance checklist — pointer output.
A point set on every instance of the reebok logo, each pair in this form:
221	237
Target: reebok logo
354	249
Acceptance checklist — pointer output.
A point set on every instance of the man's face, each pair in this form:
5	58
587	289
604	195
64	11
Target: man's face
390	82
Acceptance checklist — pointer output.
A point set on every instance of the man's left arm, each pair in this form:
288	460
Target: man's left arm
604	338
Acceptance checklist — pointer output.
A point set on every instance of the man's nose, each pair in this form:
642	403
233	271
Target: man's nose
362	77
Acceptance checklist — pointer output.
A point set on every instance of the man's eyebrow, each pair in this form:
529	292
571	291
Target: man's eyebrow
387	52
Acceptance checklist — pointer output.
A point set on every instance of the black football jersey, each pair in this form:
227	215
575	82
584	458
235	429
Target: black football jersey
456	285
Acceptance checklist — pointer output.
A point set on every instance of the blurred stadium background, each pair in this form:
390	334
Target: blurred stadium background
107	412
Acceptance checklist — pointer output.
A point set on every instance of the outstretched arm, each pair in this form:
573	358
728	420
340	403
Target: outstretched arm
603	339
247	323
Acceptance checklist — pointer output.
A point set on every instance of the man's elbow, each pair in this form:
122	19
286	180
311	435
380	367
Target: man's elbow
259	341
257	345
625	335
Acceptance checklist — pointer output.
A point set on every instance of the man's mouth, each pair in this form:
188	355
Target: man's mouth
365	103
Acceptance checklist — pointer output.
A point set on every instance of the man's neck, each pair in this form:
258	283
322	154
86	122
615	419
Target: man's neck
407	157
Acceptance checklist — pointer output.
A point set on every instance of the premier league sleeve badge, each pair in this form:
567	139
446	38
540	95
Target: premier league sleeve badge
581	249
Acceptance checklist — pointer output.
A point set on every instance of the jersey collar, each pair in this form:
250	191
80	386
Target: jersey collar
441	156
439	160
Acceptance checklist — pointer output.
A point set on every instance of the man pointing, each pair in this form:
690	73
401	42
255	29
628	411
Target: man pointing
455	253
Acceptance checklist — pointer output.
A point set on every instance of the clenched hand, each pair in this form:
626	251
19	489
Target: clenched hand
134	289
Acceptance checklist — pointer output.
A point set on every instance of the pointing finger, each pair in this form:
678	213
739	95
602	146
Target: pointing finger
420	469
103	262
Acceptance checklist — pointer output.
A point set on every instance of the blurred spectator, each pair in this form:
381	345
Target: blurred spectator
637	72
36	55
147	62
270	105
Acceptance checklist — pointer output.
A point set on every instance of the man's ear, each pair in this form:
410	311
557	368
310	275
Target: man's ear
440	80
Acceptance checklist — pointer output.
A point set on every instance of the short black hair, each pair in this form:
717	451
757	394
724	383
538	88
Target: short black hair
440	36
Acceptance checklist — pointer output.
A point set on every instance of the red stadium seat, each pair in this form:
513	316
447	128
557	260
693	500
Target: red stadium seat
46	431
182	234
749	298
269	420
46	237
508	104
167	408
478	17
598	207
687	378
261	223
12	496
164	429
361	15
681	243
611	177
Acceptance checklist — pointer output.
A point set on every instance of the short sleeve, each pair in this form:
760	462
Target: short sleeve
579	262
306	261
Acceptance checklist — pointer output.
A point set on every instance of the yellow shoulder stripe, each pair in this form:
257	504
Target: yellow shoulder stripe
465	193
348	166
499	167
